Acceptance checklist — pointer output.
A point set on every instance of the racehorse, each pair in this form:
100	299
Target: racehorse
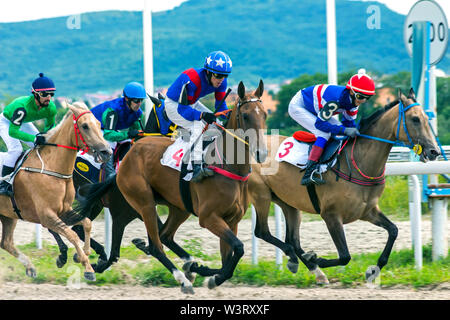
353	196
43	185
218	201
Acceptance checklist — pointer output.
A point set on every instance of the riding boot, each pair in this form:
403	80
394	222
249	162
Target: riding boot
199	172
312	168
108	168
5	186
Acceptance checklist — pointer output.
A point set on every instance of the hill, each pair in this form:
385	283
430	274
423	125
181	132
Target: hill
270	39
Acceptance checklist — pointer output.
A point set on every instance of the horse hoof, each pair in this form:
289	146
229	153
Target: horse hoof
310	256
372	272
187	273
321	278
89	276
100	266
212	282
292	266
60	262
31	272
75	258
187	289
140	244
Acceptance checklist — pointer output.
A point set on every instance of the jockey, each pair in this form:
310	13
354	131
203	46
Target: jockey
119	114
313	108
184	108
16	126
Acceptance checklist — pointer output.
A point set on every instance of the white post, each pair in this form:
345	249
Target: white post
254	239
38	236
148	52
416	216
331	42
439	228
108	231
278	228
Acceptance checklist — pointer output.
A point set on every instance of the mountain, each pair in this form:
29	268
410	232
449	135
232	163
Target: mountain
274	40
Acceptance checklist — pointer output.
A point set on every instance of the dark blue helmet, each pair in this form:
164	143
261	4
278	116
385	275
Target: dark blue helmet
43	84
218	62
134	90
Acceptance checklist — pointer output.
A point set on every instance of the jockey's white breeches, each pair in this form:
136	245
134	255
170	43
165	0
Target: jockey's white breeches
12	144
306	119
194	127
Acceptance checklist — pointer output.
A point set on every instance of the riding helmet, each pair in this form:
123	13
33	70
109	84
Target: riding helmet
43	84
218	62
361	83
134	90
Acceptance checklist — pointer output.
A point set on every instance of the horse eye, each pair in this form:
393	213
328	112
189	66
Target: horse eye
415	120
85	126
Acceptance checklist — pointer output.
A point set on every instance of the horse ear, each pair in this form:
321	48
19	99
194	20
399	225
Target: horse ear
401	96
155	101
241	90
412	94
259	91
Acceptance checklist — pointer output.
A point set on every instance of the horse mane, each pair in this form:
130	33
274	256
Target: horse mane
367	122
78	104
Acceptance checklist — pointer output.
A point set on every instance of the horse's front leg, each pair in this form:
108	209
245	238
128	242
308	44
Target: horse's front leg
62	258
336	230
379	219
51	221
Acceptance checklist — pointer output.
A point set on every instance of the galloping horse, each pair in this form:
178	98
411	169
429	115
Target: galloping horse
353	196
43	186
218	201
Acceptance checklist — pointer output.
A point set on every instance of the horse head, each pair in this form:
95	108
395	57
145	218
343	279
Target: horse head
88	132
250	116
416	128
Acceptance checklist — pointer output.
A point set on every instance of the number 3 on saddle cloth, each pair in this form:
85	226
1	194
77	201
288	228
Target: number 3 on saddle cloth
295	150
91	171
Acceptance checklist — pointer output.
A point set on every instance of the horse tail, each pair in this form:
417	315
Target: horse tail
93	194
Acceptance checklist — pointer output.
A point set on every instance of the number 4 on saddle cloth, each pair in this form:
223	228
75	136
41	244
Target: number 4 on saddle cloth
295	150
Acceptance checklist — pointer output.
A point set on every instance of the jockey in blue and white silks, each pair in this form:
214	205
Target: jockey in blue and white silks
184	108
313	108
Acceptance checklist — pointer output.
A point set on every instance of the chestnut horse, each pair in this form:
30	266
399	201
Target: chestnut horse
340	201
43	188
219	201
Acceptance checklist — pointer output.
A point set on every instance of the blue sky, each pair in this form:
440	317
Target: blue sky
21	10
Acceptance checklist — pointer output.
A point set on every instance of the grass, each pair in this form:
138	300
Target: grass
136	268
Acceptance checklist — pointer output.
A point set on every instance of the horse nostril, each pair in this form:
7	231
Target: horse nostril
435	152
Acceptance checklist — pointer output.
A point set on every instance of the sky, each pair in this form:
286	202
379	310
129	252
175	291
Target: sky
23	10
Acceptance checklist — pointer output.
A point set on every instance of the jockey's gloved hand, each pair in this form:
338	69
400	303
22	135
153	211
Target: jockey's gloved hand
133	133
208	117
351	132
39	140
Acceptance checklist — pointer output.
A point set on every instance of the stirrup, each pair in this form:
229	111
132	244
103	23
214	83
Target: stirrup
318	181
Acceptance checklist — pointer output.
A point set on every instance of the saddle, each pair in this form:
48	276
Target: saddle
331	148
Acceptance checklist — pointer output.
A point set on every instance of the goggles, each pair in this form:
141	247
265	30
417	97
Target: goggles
219	76
44	94
361	96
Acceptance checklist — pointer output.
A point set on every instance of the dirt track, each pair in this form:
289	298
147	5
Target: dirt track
361	237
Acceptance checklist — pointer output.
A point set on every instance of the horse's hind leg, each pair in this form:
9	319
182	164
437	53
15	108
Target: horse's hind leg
262	231
379	219
7	243
62	258
293	220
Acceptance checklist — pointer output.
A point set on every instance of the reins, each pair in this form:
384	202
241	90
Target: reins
417	148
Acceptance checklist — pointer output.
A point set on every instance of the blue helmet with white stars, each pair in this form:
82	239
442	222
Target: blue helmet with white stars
218	62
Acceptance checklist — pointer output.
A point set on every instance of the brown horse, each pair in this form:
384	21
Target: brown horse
219	201
43	186
341	201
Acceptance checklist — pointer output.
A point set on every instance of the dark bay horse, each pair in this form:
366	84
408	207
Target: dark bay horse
341	201
218	201
44	191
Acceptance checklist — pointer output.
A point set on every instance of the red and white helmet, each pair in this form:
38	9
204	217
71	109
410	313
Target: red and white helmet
361	83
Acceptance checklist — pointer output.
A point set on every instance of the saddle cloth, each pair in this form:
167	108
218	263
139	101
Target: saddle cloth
174	155
296	153
86	167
